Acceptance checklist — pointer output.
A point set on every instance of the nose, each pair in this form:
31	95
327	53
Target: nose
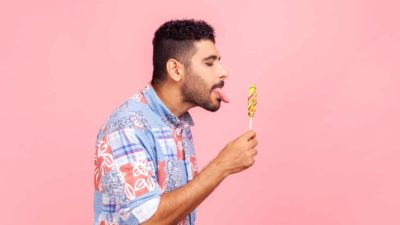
223	73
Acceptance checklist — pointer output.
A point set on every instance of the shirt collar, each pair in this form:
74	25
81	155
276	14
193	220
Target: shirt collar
159	107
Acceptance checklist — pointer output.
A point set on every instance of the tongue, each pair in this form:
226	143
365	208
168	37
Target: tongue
222	95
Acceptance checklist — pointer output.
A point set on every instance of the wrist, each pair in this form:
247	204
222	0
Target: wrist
218	168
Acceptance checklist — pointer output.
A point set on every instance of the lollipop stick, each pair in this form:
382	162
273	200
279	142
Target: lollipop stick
250	123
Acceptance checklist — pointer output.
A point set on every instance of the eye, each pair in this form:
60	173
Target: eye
209	64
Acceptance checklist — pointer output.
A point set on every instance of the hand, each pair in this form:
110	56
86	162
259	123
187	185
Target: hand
238	154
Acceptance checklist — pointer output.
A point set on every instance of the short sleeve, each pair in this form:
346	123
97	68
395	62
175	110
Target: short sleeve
136	190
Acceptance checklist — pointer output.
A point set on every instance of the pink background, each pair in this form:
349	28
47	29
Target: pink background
328	115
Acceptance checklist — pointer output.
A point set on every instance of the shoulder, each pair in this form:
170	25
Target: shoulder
131	114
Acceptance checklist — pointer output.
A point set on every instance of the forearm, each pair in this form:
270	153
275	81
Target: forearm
175	205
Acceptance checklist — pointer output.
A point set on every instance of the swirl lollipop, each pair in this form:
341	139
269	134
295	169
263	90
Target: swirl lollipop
251	105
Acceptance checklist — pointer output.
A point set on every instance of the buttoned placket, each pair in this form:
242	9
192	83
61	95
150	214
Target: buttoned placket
184	128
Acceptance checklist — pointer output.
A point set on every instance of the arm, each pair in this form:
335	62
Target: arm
235	157
175	205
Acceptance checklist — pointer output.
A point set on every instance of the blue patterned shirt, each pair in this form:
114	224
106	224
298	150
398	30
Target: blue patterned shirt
142	151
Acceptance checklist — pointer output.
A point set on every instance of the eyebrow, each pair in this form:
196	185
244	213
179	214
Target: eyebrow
213	57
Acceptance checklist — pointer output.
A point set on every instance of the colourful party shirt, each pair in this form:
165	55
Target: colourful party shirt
142	151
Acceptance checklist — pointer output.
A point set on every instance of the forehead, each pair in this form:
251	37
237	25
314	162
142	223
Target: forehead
205	48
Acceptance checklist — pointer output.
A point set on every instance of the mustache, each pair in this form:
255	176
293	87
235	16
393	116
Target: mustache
219	85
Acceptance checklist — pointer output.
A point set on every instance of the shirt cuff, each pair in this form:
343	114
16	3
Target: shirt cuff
143	212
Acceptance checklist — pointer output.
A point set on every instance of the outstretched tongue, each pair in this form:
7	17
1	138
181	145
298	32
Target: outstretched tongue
222	95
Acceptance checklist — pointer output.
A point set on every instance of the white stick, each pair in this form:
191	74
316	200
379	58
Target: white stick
250	123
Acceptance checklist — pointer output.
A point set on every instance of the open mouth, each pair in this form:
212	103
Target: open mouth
221	95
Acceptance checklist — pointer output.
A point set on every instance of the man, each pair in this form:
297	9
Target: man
146	170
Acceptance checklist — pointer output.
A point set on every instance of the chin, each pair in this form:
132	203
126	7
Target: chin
213	107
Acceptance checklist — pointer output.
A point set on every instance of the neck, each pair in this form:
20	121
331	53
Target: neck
171	96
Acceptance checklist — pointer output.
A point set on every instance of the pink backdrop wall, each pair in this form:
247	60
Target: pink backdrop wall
328	117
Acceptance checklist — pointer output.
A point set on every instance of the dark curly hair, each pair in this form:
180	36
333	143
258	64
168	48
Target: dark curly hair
175	39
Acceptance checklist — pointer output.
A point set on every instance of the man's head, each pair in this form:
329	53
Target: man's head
184	54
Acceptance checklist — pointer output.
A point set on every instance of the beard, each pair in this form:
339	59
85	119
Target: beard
196	91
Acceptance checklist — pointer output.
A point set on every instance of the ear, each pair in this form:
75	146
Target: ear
175	70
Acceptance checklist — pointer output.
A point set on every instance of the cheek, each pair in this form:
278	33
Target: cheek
206	72
201	81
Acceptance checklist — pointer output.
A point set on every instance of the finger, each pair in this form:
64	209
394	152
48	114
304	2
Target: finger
253	143
253	152
248	135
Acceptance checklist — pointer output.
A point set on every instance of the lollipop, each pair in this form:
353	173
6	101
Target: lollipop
251	105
